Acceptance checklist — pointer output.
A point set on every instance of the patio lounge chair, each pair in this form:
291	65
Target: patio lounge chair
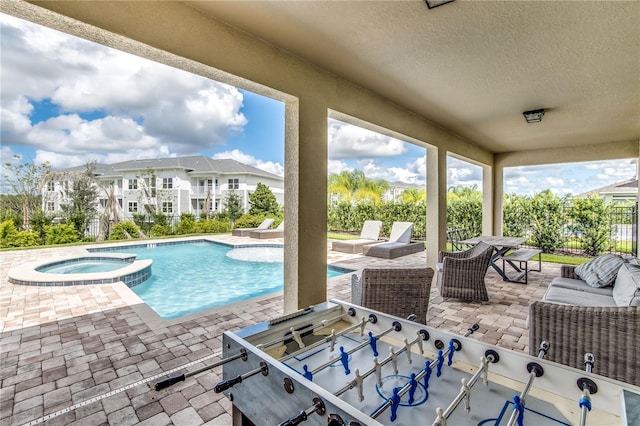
399	292
461	273
369	235
268	233
244	232
399	243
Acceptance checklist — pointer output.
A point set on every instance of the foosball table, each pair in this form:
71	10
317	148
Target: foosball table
341	364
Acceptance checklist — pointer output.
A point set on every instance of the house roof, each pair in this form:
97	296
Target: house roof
627	187
193	165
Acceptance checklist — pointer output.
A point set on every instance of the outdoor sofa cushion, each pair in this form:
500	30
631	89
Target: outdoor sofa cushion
626	291
600	271
566	296
579	285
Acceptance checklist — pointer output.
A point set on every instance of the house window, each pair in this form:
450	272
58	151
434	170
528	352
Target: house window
167	207
167	183
234	183
51	186
51	206
133	207
133	183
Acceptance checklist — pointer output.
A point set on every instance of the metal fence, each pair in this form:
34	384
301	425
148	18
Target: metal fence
622	236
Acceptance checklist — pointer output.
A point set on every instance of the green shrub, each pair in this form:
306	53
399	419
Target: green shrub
26	239
250	221
210	226
159	230
187	224
8	233
120	230
60	234
11	237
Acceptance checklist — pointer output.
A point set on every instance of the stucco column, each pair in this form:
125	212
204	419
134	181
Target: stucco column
305	184
491	190
436	203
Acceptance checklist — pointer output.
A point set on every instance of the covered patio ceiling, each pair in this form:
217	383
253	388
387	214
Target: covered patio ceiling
473	67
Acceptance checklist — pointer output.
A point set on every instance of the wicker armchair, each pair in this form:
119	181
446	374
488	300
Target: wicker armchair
461	273
612	334
398	292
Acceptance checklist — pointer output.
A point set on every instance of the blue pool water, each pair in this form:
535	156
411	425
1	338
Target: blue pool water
84	266
193	277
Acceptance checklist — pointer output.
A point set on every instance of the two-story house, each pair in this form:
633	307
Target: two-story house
173	186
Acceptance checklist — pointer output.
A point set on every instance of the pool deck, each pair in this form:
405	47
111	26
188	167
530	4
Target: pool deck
100	348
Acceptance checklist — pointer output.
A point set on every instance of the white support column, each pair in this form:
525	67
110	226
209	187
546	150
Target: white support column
492	194
305	236
436	203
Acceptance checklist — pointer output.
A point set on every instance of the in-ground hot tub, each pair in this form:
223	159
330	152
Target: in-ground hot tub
103	268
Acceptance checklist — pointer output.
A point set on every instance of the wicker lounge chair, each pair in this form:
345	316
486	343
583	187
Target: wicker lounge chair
612	334
268	233
369	235
461	273
399	292
399	243
244	232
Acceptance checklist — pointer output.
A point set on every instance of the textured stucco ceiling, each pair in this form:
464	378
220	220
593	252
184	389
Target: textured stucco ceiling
473	66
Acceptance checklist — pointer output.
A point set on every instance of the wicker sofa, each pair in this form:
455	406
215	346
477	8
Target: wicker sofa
576	318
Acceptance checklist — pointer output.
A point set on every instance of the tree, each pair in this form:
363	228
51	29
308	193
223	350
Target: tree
25	181
412	195
262	201
232	206
546	220
464	209
82	194
515	210
355	186
591	224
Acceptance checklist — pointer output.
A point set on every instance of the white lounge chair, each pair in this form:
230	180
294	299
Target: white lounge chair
369	235
244	232
399	243
269	233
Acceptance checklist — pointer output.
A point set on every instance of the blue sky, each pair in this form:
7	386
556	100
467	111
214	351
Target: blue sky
69	101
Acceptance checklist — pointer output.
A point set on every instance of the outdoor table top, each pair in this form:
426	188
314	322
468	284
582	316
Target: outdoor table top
496	241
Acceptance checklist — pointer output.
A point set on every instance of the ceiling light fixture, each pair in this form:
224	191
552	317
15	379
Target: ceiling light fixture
533	116
435	3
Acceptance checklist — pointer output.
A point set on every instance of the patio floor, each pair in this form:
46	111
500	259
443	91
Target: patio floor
91	354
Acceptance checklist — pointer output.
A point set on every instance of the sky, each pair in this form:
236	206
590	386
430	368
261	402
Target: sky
68	101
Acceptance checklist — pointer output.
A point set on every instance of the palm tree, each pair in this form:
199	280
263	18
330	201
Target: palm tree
355	186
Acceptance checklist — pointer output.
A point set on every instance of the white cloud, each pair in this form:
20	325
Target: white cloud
336	166
563	179
268	166
104	100
348	141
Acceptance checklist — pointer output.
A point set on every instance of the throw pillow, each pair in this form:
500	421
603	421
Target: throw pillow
632	260
626	291
600	271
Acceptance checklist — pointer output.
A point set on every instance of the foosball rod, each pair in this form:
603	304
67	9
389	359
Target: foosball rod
490	356
360	325
226	384
535	370
354	383
396	327
323	324
588	387
173	380
419	376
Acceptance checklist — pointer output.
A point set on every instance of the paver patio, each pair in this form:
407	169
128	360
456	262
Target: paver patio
100	350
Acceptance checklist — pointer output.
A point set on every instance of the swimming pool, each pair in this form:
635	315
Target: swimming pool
191	277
